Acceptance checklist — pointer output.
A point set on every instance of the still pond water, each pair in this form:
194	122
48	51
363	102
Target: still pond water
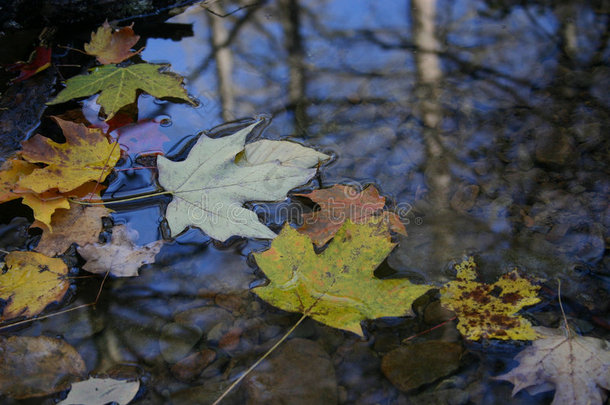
481	122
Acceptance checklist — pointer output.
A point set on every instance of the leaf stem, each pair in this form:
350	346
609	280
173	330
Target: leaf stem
252	367
121	200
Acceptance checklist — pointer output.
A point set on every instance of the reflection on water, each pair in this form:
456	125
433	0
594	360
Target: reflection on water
485	117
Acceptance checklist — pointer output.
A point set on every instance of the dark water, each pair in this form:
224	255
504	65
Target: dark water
482	122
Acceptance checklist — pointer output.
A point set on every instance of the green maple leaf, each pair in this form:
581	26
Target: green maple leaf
220	175
119	85
336	287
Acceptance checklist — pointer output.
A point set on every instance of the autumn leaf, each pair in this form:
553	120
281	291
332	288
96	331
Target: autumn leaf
86	155
79	224
101	391
489	310
336	287
576	367
210	187
30	283
111	46
339	203
37	366
40	59
122	257
119	86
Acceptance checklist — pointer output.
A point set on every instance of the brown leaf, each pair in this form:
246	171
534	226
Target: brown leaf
37	366
576	367
121	257
341	202
111	46
79	224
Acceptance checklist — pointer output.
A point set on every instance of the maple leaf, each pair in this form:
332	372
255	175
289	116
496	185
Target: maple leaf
119	86
122	257
112	46
40	59
210	186
101	391
30	283
488	310
336	287
86	155
44	204
79	224
339	203
37	366
576	367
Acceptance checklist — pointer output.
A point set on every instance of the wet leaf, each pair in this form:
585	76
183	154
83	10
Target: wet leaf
101	391
489	310
576	367
121	257
79	224
43	204
111	46
31	282
336	287
339	203
37	366
210	187
141	138
40	59
119	86
86	155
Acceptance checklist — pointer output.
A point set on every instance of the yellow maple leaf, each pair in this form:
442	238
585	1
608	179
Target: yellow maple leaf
86	155
489	310
30	283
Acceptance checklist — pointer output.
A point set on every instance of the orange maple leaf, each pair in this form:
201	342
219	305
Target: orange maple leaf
110	46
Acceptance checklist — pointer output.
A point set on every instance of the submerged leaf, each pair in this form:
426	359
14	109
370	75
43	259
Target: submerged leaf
37	366
119	86
122	257
31	282
209	188
576	367
339	203
489	310
336	287
101	391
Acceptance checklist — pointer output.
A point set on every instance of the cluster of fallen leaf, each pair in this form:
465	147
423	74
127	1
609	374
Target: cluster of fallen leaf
61	183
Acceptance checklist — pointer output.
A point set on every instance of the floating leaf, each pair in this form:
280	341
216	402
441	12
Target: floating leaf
79	224
210	187
31	282
339	203
111	46
576	367
488	310
86	155
119	86
122	257
37	366
40	59
101	391
336	287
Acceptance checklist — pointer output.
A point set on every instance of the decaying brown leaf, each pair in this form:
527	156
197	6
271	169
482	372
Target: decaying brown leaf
121	257
37	366
79	224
